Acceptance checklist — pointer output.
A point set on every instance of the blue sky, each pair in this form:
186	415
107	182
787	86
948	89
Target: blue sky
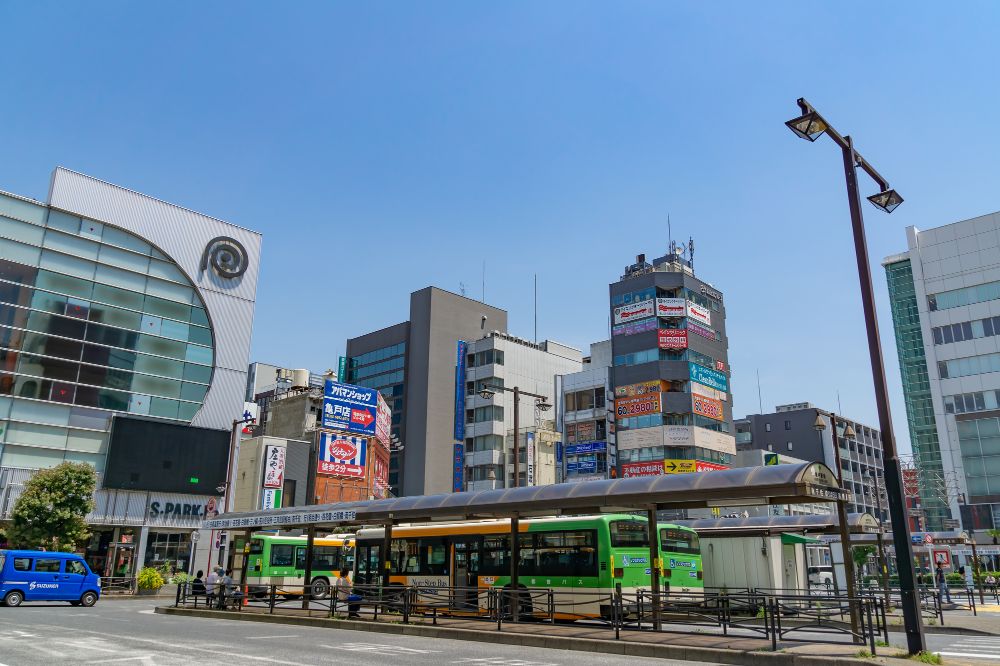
381	147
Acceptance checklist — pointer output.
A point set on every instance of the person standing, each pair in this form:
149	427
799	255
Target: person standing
942	583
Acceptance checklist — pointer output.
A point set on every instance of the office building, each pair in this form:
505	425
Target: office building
670	369
585	411
790	430
945	297
125	326
266	382
494	365
413	365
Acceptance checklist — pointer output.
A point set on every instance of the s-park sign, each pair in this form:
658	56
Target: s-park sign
350	408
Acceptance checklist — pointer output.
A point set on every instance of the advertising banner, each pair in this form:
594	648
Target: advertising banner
707	407
458	468
529	456
708	392
270	499
586	447
708	377
342	368
656	386
585	467
559	452
634	311
586	430
461	350
717	441
350	408
709	467
672	338
342	456
637	405
652	468
274	466
380	474
633	327
383	421
699	314
670	307
675	466
701	330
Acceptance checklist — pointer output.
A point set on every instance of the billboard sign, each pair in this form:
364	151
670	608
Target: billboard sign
637	405
633	327
656	386
458	468
383	421
672	338
634	311
708	392
274	466
461	349
670	307
582	467
652	468
270	499
380	477
707	407
350	408
701	330
699	314
586	447
342	456
701	466
674	466
529	455
708	377
342	368
716	441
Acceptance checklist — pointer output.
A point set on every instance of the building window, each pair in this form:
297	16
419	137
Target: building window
789	444
788	425
767	427
770	447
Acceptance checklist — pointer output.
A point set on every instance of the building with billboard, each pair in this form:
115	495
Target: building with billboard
412	364
670	370
944	292
125	326
585	414
503	361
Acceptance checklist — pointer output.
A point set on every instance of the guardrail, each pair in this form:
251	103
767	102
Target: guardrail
118	585
775	617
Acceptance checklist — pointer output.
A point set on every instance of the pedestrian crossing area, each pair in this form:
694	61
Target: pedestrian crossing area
974	647
379	649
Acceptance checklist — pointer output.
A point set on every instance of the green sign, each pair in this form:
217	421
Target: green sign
770	458
342	369
193	479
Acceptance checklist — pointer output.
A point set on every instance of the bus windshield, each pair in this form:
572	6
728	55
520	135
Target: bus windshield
629	534
676	540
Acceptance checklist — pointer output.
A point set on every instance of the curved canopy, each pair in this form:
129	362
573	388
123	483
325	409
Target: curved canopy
760	525
775	484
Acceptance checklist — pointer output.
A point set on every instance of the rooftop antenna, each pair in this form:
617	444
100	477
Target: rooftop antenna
484	281
461	288
760	399
840	410
670	232
536	308
691	252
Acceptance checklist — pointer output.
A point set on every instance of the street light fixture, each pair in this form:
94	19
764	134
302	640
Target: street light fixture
810	125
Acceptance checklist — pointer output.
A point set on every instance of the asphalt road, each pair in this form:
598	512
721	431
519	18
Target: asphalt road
128	632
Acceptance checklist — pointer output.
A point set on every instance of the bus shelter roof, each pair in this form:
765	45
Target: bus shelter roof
775	484
857	523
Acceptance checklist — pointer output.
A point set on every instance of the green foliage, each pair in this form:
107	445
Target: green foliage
925	657
181	578
50	512
860	554
149	579
863	654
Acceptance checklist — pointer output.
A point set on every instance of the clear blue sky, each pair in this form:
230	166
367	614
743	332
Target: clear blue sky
381	147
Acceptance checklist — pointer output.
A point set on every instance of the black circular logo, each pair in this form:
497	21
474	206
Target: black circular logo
227	256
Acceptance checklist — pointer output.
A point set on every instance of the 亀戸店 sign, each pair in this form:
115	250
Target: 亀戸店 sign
351	408
672	338
274	466
634	311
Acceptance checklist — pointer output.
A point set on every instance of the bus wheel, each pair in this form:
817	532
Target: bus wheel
13	598
320	588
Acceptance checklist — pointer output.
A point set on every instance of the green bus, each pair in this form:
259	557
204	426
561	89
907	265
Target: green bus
580	555
281	561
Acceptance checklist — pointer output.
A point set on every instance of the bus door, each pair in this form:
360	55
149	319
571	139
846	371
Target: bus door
466	572
368	565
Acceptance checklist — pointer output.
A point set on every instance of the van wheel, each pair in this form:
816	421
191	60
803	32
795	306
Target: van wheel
88	599
13	599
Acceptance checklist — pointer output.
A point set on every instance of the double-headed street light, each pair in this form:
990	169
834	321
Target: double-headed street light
810	126
541	402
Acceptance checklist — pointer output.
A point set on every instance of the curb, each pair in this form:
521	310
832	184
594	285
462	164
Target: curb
677	652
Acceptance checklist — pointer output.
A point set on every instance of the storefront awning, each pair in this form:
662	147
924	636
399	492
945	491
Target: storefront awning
789	539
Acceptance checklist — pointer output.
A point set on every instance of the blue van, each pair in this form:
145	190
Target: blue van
37	575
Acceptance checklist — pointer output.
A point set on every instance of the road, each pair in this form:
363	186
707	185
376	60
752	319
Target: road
128	632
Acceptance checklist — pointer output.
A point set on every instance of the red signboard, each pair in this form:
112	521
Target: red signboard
383	421
638	406
652	468
709	467
673	338
709	407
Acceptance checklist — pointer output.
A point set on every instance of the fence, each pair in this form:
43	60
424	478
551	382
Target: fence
118	585
774	617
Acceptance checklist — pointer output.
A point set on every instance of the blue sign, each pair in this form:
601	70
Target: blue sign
582	467
350	408
708	377
559	452
458	464
461	348
586	447
571	467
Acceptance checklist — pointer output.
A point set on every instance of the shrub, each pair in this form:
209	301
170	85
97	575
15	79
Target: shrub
149	579
181	578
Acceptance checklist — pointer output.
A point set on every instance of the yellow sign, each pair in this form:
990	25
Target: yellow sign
672	466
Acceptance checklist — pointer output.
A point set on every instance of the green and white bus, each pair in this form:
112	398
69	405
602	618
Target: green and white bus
281	561
586	554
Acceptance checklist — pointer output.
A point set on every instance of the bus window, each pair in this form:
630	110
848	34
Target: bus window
561	553
679	541
629	534
326	558
256	546
281	555
496	556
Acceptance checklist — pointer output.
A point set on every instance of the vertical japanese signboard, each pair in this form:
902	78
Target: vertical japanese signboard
274	466
529	474
383	421
270	499
458	468
380	477
350	408
342	456
461	349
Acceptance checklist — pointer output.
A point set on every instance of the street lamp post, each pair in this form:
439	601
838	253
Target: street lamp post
489	390
810	125
883	562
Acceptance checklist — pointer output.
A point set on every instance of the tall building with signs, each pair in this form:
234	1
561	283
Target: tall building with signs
670	370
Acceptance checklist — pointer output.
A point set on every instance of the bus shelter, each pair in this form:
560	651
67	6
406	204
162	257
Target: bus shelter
777	484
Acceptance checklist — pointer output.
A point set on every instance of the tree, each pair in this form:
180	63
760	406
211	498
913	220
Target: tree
50	512
860	556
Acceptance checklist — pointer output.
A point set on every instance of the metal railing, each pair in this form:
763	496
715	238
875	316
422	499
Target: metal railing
118	585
